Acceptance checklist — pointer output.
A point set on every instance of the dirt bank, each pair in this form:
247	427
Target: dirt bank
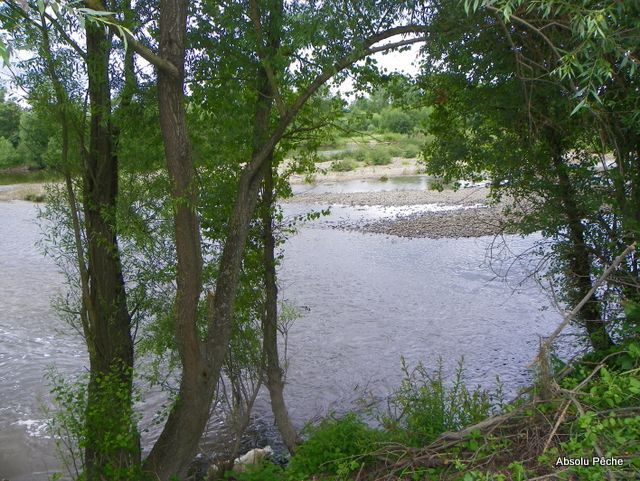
32	192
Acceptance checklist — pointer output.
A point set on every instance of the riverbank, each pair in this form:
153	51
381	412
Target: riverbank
466	212
324	173
31	192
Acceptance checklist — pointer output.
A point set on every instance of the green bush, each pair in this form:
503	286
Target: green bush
410	151
8	154
379	156
265	471
70	415
360	154
393	137
427	407
345	165
397	121
394	150
335	446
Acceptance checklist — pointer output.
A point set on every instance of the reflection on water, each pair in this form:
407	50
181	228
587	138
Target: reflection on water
365	300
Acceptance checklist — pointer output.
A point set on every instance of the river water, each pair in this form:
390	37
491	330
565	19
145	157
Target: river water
365	300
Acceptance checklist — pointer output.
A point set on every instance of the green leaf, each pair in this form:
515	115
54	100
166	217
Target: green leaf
4	53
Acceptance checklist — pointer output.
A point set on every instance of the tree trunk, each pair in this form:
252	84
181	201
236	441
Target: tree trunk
274	374
580	263
179	439
109	405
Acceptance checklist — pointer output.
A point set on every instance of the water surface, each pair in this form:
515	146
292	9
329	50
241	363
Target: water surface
365	300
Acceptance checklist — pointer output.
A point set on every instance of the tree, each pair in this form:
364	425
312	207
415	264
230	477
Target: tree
204	315
111	445
9	119
500	113
202	359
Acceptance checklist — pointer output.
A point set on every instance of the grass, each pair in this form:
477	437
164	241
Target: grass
591	409
345	165
9	177
31	197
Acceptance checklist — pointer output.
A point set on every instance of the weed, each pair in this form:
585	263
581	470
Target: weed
344	165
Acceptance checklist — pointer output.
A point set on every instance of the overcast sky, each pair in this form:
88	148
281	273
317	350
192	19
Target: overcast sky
402	62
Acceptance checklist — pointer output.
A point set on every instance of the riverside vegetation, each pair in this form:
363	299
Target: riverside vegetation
590	411
166	224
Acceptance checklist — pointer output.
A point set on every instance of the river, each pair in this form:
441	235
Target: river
365	300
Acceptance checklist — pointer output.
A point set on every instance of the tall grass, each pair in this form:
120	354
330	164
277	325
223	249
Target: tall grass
8	177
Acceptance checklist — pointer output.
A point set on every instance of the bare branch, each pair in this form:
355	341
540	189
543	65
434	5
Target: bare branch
569	317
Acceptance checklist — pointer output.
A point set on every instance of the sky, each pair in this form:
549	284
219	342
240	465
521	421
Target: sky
401	62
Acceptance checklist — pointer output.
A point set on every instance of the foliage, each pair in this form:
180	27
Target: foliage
379	156
9	119
426	405
336	446
501	115
410	151
8	154
67	424
423	407
345	165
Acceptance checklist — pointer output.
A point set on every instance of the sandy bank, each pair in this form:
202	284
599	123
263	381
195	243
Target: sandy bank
474	216
396	168
21	192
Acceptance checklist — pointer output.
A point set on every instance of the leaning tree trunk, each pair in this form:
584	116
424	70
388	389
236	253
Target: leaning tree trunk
201	360
109	402
580	263
273	371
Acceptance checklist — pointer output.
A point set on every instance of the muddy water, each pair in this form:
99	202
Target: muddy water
365	300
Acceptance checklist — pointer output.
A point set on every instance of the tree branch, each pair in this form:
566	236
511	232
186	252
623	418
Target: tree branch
254	14
142	50
569	317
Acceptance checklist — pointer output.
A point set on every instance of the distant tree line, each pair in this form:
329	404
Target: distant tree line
26	137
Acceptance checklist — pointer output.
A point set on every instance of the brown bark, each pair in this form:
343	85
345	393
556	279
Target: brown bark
269	38
579	262
110	342
273	370
178	441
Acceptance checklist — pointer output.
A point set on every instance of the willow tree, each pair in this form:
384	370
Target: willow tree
285	55
502	109
111	440
333	48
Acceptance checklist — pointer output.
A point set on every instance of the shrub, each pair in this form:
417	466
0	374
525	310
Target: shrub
335	446
397	121
379	156
393	137
410	151
427	407
394	150
360	154
345	165
8	154
68	419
